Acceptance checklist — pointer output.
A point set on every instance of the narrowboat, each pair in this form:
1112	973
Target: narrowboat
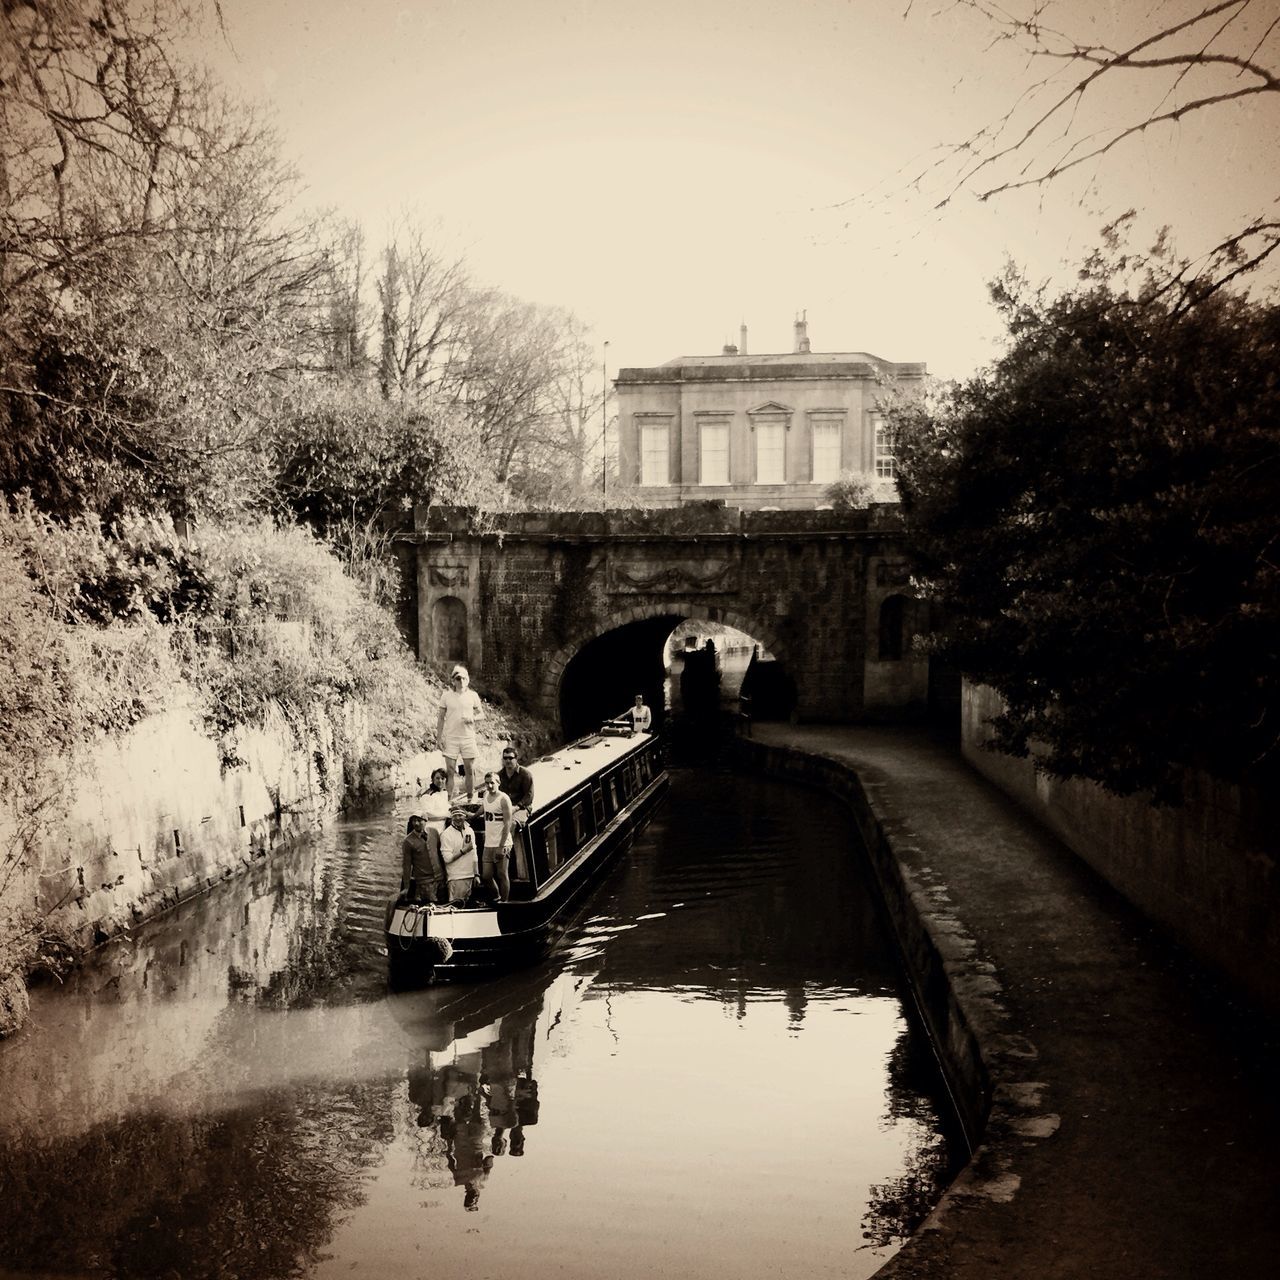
590	798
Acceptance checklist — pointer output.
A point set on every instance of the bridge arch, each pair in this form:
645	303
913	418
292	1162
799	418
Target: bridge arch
546	593
549	693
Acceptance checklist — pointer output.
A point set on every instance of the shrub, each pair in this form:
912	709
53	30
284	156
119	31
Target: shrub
851	492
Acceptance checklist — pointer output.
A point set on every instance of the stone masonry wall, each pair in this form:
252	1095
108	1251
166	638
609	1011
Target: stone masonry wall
539	588
1205	872
153	817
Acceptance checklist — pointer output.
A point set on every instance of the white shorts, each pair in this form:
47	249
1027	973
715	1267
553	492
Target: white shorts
463	748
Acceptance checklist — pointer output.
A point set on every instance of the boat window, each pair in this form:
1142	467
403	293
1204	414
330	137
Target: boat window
613	794
579	824
597	805
552	838
521	857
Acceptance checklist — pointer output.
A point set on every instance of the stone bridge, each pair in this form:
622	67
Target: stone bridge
566	613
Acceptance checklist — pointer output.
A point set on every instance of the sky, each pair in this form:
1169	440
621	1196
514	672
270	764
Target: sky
669	170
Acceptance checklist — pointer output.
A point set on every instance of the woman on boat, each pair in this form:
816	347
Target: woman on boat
460	710
436	804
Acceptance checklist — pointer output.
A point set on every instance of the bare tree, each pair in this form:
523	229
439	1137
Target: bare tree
348	329
426	302
577	407
1088	98
515	353
154	287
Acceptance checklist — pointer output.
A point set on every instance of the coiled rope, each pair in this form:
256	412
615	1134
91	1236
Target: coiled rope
408	930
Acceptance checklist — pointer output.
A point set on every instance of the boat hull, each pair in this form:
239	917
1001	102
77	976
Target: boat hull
488	939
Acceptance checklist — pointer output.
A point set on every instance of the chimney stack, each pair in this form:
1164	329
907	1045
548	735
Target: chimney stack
742	340
802	333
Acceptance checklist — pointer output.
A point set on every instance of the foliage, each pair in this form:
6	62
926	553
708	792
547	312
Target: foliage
153	290
1097	515
346	456
852	491
38	722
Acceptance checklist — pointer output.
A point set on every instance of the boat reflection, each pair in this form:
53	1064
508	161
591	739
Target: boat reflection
477	1097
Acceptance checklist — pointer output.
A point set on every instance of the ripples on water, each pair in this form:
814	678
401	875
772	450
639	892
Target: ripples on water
712	1076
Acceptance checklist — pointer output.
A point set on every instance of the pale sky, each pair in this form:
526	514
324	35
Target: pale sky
669	169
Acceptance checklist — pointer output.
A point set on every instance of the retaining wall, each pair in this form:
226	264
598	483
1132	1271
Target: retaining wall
157	815
1206	872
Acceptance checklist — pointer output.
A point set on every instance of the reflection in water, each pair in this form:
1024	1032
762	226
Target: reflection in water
711	1076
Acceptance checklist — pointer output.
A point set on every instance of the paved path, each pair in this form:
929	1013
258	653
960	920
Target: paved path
1143	1139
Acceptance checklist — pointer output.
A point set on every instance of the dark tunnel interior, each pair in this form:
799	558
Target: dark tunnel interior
605	675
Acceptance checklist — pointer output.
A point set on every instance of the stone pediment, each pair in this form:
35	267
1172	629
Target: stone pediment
771	407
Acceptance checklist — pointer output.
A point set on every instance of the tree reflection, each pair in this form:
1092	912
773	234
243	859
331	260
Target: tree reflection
253	1192
897	1207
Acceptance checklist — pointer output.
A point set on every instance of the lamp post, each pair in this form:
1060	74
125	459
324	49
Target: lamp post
604	421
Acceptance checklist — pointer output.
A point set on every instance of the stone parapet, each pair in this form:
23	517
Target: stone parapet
690	519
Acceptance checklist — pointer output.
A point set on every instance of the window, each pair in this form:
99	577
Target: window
826	452
553	845
713	458
770	443
885	465
655	453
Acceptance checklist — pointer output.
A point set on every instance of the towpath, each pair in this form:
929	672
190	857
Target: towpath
1136	1129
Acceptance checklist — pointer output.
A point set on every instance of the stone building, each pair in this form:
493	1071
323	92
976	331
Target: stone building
768	431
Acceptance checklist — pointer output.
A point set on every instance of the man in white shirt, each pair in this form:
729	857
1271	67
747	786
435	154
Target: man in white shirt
641	716
498	824
458	853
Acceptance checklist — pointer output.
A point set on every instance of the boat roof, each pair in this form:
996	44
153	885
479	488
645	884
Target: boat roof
566	769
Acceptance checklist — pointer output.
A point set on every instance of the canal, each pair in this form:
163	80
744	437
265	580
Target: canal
713	1076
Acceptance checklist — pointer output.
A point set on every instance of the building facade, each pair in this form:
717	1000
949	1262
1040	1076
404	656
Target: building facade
769	431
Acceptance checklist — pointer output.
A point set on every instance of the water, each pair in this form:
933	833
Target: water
712	1076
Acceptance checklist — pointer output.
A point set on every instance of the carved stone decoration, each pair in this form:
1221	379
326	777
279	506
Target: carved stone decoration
449	575
685	576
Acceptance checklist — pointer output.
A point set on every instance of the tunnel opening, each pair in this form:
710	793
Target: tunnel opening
604	676
688	670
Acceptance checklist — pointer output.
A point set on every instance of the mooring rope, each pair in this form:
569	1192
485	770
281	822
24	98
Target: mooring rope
408	930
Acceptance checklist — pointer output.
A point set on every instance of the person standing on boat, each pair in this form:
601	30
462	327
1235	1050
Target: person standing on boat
420	872
460	710
458	853
641	716
498	823
516	781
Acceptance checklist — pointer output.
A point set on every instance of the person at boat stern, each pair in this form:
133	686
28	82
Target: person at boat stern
498	839
641	715
458	853
460	711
